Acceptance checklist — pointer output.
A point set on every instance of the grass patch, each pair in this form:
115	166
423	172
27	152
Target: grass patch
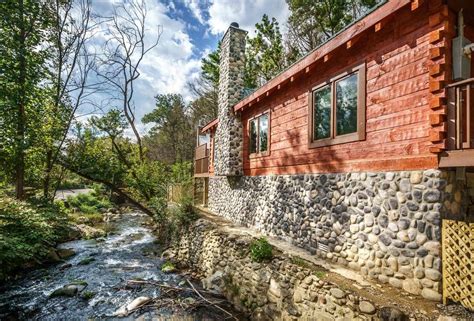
89	203
168	267
261	250
300	262
88	208
320	274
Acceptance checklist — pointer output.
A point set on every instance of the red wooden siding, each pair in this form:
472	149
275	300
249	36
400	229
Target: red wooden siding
397	106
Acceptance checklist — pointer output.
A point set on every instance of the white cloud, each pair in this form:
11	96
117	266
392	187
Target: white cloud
245	12
196	10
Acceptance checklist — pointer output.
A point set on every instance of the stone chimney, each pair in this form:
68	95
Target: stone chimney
228	139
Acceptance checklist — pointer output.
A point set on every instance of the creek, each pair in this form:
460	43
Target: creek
99	271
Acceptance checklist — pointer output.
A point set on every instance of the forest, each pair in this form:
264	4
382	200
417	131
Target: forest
68	111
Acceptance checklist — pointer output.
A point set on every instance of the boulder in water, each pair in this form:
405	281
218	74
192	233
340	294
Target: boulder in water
69	290
72	233
89	232
65	253
52	256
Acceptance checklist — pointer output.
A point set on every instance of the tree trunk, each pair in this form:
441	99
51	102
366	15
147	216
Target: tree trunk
114	188
47	173
21	115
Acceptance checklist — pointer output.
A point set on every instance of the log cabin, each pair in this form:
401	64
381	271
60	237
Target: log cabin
361	152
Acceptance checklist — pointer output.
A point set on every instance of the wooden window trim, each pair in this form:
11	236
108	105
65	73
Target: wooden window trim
267	152
361	106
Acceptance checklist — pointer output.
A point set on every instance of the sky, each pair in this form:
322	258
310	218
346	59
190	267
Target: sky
190	30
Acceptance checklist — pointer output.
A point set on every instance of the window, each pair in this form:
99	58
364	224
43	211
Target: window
258	134
337	109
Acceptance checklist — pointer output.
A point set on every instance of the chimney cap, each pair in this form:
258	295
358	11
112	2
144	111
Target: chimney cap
234	24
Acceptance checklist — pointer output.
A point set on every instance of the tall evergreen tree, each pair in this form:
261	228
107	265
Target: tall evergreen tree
265	53
311	22
172	129
23	25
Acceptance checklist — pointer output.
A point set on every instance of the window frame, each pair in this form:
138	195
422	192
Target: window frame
334	139
256	117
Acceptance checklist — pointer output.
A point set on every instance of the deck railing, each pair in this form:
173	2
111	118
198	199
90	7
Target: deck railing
201	160
461	115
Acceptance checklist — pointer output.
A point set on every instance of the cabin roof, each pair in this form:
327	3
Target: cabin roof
348	36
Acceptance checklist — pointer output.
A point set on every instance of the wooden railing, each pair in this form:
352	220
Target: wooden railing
201	160
461	115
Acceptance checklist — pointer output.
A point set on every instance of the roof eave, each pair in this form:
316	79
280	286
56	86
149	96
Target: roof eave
305	63
210	125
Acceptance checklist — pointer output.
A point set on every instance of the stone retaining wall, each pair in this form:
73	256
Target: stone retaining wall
385	225
286	288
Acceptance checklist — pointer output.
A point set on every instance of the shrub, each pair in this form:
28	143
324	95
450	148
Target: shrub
27	231
175	218
185	213
261	250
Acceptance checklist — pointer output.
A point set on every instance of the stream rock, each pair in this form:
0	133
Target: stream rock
69	290
65	253
52	256
89	232
214	282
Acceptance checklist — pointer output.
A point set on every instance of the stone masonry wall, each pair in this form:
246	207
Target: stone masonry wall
385	225
284	288
228	138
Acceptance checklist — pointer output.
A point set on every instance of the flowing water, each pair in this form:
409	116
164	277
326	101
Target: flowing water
104	266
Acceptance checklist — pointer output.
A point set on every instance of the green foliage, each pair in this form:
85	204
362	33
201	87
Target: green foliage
168	267
182	173
261	250
210	66
172	132
174	219
89	203
312	22
27	231
265	53
72	181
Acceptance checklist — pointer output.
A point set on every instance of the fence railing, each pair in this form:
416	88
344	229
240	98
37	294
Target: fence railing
461	115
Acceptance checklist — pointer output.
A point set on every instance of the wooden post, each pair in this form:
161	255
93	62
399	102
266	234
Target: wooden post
468	116
451	143
458	119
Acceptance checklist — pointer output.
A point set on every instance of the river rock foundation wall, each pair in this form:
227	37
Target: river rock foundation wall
385	225
285	287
